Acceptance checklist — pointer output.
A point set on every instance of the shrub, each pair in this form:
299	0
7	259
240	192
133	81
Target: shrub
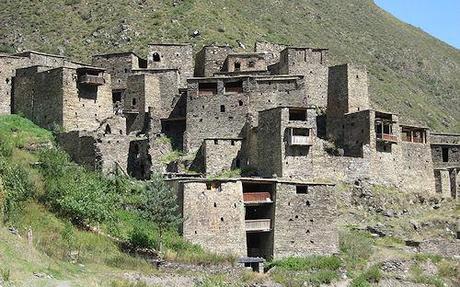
159	205
16	187
371	275
139	238
80	195
356	247
5	274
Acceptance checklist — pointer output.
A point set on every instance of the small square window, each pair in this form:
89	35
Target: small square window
301	189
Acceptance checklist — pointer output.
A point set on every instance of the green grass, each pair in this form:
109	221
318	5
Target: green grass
366	278
20	132
308	263
356	247
231	173
316	270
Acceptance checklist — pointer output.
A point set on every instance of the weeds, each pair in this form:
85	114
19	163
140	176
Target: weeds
355	247
5	274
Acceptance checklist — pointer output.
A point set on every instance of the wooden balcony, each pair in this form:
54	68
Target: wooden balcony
251	198
300	140
130	111
258	225
387	137
91	80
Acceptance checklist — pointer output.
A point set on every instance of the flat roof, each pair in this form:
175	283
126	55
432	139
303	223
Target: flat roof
243	73
256	77
28	52
88	68
308	107
252	179
5	55
63	67
373	110
406	125
116	54
246	54
303	48
217	46
155	70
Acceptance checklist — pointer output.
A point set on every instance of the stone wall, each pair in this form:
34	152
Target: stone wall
222	114
347	92
213	215
105	149
85	106
55	98
119	66
214	115
355	133
210	60
10	63
172	56
312	64
166	92
269	160
445	150
272	51
245	62
221	155
8	66
304	223
403	165
142	92
273	91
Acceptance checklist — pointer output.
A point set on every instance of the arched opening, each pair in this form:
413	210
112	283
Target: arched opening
156	57
108	130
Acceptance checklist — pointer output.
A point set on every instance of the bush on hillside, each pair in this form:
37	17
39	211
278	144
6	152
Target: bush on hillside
82	196
16	187
159	205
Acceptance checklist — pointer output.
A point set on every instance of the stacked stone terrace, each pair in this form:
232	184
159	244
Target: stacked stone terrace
290	123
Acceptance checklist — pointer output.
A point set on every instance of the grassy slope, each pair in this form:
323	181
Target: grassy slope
410	72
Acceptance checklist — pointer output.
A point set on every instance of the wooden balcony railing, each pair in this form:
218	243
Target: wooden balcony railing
387	137
300	140
257	197
255	225
91	80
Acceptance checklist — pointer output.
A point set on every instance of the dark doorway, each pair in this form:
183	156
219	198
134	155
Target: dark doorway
445	154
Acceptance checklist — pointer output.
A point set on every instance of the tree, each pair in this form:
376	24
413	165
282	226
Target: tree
159	205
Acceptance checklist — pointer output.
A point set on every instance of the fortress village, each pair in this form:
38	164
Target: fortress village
288	124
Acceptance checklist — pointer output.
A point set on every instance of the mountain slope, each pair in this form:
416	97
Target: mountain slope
410	72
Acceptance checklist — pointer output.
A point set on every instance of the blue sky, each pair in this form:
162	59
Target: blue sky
440	18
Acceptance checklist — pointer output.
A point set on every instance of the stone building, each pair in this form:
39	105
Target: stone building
64	97
445	150
172	56
291	125
259	217
119	66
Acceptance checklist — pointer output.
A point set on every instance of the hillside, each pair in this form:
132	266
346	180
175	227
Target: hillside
411	72
48	204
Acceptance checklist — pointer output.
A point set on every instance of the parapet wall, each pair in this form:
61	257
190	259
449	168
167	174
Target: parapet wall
214	216
304	222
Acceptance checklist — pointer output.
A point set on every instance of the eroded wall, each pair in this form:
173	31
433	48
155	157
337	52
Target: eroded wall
304	224
214	216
